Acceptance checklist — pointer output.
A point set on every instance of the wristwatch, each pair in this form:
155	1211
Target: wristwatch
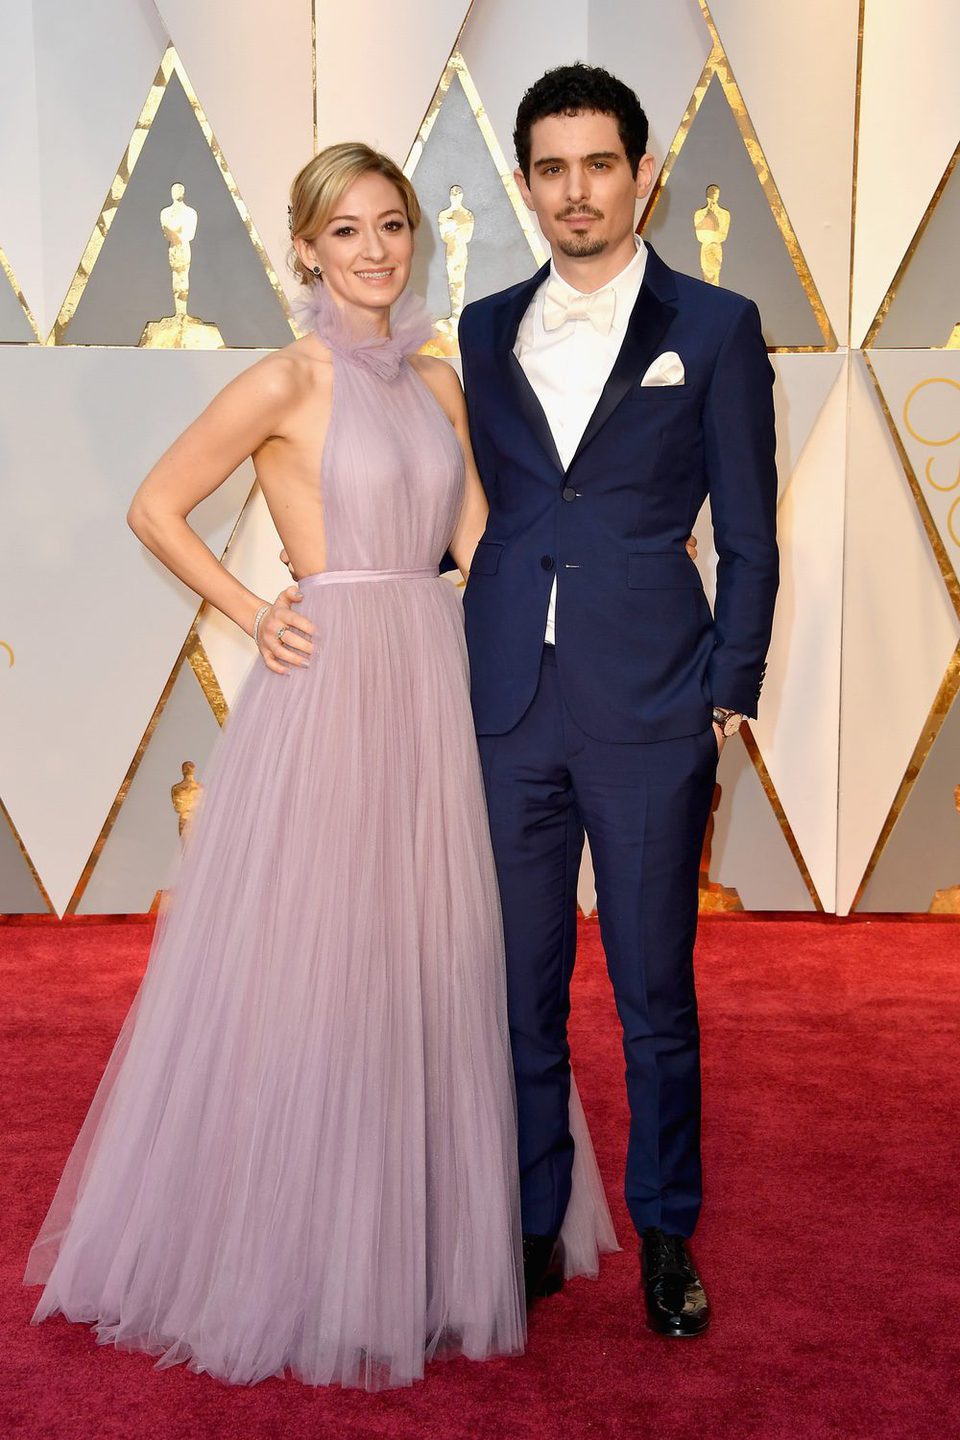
729	721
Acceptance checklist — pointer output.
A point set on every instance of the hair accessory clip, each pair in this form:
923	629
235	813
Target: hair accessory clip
290	218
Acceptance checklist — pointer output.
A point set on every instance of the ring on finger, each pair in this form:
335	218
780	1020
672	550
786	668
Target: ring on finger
280	634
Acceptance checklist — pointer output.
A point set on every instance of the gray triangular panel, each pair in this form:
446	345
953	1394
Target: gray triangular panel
131	281
455	153
15	328
756	261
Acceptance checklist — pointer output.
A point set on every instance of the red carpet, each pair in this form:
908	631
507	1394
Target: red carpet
830	1234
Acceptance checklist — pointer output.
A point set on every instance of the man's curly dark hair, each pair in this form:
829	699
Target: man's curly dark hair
571	89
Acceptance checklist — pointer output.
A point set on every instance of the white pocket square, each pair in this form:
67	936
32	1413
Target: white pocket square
667	369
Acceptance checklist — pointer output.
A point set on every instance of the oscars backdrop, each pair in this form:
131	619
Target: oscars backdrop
808	159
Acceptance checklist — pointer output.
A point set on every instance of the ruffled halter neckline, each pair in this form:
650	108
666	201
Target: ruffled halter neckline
345	333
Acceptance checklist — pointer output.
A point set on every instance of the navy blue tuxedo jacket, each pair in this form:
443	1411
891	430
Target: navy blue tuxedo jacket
640	655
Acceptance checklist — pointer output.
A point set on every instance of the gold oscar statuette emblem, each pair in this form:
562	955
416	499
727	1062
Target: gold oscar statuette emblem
455	224
712	226
185	796
714	898
947	902
180	331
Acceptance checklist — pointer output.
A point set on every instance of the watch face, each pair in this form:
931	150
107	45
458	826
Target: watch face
732	724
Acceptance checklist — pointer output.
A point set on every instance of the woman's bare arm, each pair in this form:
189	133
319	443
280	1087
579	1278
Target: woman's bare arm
234	425
445	384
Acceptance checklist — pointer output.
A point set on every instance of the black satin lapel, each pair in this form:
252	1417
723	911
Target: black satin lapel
649	322
525	399
519	389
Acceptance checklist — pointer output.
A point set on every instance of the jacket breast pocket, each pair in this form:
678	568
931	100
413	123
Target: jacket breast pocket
486	557
670	570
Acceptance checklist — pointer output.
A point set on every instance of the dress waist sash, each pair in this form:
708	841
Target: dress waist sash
352	577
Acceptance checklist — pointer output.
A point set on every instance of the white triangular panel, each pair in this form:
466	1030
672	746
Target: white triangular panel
899	633
801	389
254	558
251	68
781	56
799	716
97	60
377	68
20	230
909	126
97	623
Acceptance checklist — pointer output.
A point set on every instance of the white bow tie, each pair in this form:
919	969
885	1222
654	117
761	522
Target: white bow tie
561	304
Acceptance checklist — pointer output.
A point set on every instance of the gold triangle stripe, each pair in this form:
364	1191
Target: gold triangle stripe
776	805
430	114
207	680
15	287
856	164
881	315
170	65
718	65
5	815
134	766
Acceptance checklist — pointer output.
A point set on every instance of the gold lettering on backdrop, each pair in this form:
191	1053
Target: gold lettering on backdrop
185	796
947	902
455	224
954	342
714	898
180	331
9	650
712	226
944	485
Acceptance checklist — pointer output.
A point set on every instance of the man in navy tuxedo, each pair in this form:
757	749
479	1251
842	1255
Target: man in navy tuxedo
608	397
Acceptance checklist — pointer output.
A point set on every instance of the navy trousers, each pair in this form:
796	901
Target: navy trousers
644	808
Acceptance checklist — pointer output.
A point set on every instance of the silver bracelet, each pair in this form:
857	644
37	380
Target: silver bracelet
264	610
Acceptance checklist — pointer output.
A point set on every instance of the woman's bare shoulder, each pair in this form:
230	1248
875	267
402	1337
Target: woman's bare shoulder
285	376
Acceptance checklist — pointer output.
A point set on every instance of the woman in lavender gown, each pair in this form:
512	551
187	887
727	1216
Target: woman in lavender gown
302	1155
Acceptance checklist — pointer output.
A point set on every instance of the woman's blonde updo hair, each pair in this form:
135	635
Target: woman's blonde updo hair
316	192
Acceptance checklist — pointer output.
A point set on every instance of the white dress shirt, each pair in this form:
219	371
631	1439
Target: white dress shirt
568	367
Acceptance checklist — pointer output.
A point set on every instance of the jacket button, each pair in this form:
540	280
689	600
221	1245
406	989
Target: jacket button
569	493
546	562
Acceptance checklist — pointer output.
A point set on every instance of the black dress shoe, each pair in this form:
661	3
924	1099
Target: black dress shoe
542	1266
676	1300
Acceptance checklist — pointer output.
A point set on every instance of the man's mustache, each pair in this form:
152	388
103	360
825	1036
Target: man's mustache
579	210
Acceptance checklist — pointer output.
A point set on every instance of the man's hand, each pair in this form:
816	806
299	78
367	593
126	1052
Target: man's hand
689	545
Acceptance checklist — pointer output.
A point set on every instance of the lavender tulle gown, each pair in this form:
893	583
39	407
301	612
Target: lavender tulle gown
302	1155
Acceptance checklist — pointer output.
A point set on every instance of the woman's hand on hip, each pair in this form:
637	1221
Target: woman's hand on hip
284	637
